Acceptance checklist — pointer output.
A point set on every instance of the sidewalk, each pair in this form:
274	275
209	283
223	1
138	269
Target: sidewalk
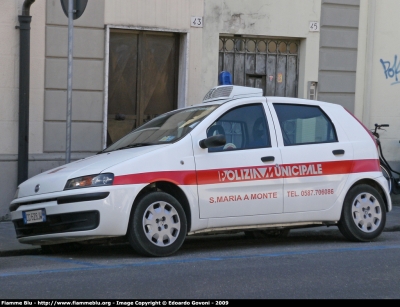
9	245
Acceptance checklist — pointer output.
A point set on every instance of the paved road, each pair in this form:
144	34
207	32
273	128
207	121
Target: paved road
318	264
310	263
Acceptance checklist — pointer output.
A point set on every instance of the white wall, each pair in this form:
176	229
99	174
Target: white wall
36	109
9	76
378	96
9	91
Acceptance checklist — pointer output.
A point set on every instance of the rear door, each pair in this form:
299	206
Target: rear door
316	156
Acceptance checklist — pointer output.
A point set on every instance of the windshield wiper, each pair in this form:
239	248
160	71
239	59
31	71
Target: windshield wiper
135	145
126	147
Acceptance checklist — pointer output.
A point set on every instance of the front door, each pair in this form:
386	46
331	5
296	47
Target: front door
239	179
143	69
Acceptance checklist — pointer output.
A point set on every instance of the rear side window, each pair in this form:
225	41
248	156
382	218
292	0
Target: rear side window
301	124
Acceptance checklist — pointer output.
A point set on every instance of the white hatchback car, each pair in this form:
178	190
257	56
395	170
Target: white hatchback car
236	162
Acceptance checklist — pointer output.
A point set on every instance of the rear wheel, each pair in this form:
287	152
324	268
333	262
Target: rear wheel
158	225
386	174
363	214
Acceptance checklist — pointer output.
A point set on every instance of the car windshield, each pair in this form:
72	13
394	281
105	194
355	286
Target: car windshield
164	129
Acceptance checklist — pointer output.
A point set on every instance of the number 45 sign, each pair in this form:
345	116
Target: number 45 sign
196	22
314	26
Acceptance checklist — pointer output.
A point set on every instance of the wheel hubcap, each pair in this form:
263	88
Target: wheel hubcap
366	212
161	223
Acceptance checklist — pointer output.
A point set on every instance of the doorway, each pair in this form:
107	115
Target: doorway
142	80
269	64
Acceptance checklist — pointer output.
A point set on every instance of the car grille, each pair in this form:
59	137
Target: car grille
59	223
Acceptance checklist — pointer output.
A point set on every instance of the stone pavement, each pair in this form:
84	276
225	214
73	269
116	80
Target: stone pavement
10	246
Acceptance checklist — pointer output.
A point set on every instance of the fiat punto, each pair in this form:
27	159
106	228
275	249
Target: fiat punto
238	161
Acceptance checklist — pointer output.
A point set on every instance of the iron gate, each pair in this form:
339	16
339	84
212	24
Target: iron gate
269	64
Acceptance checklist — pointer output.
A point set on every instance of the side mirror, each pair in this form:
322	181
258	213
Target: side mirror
213	141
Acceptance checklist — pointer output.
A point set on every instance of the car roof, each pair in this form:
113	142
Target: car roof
226	93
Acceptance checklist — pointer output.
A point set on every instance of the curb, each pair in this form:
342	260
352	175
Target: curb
22	252
392	229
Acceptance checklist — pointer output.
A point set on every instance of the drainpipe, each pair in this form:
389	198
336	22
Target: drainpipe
24	57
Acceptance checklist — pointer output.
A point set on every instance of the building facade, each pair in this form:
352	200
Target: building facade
134	60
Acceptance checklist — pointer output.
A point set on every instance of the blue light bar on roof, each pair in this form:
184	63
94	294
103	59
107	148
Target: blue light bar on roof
225	78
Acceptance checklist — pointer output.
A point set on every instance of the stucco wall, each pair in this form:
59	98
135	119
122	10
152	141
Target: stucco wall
271	18
338	52
376	89
379	88
87	81
9	91
9	76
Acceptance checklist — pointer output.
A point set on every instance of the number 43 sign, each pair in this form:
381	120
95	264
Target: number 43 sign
196	22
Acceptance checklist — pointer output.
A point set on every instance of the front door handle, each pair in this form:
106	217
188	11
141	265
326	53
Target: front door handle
268	159
338	152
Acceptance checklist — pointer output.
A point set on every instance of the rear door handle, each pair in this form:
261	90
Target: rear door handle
268	159
338	152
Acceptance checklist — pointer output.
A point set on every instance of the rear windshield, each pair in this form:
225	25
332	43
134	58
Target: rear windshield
166	128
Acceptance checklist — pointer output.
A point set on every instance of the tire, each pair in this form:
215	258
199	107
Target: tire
158	225
363	214
272	233
386	174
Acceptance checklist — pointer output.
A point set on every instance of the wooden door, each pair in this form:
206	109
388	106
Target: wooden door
143	71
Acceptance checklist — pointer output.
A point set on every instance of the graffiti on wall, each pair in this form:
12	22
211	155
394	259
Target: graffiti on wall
392	70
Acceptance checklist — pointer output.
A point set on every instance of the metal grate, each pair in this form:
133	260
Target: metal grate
269	64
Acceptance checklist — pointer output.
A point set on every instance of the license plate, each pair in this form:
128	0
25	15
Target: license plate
35	216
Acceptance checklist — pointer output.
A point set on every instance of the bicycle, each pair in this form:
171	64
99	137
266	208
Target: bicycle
387	171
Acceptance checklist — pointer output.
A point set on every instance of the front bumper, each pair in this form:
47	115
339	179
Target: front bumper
75	215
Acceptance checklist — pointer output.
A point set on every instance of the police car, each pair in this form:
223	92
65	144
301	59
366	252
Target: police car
239	161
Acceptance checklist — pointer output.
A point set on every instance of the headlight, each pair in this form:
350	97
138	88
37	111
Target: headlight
90	181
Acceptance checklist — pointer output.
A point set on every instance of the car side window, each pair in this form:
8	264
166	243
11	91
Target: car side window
301	124
244	127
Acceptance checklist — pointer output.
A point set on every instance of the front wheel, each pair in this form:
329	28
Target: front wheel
158	225
363	214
